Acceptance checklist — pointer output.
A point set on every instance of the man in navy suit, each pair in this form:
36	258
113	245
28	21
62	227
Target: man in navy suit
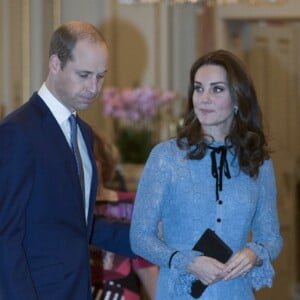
46	216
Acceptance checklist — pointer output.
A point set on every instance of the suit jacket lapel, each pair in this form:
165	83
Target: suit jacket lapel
57	140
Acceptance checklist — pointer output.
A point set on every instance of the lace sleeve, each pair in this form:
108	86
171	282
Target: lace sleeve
266	242
152	192
261	276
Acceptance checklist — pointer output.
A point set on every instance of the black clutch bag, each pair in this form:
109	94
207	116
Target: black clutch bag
210	245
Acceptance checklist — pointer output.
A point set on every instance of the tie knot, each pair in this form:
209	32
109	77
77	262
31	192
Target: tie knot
72	119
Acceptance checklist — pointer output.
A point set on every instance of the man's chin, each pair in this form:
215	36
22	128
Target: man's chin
84	106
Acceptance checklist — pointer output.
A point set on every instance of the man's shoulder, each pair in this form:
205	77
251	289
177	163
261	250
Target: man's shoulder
26	120
26	112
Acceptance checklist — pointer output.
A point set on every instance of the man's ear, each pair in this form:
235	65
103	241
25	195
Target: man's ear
54	63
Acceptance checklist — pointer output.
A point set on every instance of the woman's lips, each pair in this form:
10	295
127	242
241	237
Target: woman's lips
206	111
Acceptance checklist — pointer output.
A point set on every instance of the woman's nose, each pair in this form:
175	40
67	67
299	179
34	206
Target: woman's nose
205	96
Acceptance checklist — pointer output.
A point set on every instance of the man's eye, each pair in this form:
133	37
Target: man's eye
100	76
83	75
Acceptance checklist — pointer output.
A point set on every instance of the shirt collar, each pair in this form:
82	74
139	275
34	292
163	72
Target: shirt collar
59	111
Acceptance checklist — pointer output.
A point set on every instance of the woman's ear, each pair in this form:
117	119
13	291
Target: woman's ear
235	109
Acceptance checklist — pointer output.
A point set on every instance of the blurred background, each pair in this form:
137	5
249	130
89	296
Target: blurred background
152	47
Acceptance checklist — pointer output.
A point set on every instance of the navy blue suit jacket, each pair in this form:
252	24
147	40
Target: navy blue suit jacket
44	236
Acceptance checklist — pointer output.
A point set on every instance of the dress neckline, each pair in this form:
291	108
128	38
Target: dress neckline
217	171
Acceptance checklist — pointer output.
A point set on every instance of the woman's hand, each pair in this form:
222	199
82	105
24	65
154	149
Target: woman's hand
208	270
240	264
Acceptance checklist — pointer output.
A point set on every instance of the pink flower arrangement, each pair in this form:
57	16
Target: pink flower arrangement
134	104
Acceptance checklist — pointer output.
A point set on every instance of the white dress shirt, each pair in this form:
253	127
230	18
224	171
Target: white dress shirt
62	114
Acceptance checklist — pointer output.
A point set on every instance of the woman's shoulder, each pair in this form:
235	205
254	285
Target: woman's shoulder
166	155
168	147
168	150
267	164
266	170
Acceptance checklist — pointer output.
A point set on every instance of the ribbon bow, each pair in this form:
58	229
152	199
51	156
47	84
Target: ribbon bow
217	172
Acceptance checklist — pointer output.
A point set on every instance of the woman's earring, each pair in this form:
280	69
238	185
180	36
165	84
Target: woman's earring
235	109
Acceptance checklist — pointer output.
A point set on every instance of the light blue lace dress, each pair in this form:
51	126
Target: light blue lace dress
182	194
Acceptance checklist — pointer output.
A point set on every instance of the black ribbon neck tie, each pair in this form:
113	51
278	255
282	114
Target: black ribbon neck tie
217	171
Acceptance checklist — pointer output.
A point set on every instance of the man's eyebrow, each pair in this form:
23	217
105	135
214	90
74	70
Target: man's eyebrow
90	72
102	73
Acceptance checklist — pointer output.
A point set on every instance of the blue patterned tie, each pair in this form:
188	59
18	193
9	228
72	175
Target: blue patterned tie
75	149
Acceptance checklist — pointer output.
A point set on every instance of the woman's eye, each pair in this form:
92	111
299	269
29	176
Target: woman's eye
218	89
198	88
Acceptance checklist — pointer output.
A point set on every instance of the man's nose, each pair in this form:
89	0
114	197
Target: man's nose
93	85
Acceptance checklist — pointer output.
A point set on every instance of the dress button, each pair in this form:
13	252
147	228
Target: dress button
218	220
220	202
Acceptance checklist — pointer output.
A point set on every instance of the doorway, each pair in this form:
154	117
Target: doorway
270	50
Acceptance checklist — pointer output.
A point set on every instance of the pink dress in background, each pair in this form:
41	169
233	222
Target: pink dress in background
113	276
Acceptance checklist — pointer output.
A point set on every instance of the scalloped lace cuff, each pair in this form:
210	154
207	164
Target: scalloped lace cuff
180	278
261	276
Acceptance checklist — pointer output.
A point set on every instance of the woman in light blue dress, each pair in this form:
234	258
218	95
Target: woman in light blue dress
216	174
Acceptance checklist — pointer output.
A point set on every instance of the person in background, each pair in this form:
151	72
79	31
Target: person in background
113	274
48	178
216	174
